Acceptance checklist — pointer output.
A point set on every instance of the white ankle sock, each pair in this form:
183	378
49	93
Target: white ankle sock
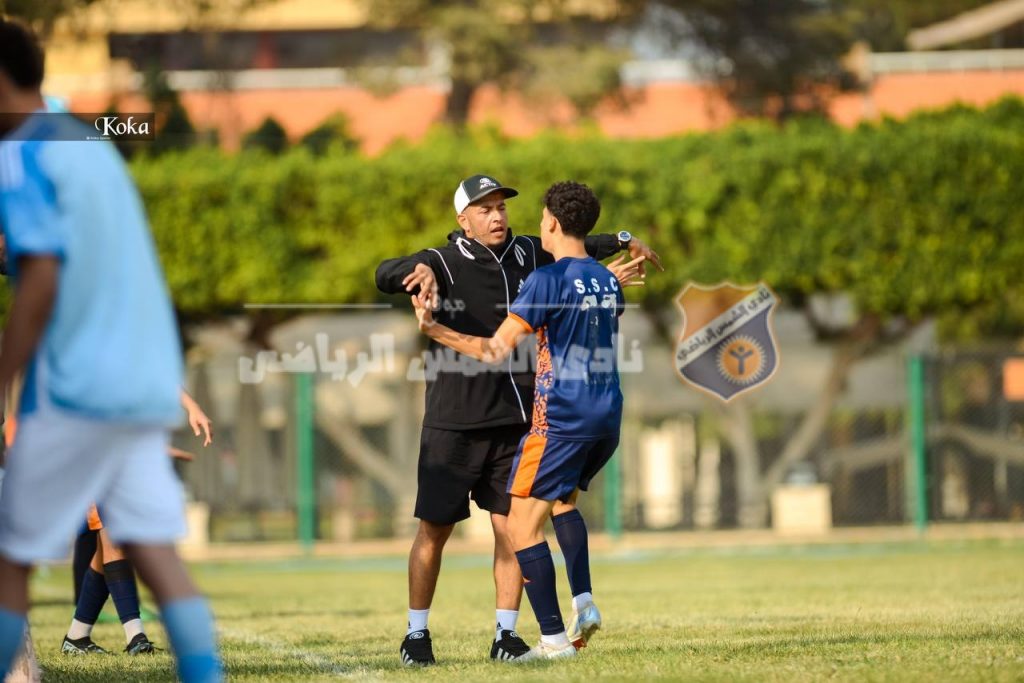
131	629
417	620
558	640
582	600
79	629
507	619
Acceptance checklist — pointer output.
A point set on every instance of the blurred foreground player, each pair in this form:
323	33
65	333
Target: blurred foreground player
573	306
92	322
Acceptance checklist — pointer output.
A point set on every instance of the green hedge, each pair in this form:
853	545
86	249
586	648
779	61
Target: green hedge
911	217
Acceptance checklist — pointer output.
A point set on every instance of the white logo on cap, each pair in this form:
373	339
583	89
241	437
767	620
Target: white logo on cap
487	182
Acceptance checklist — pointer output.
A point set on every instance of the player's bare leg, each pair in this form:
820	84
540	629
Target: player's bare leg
571	531
13	611
14	586
508	578
425	562
526	520
162	571
185	614
508	587
424	567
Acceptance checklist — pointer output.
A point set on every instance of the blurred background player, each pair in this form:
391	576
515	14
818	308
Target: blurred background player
475	421
92	323
573	306
108	573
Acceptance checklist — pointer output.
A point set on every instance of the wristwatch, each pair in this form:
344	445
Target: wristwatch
624	239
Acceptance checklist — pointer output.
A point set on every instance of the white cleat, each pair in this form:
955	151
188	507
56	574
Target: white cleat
544	651
584	625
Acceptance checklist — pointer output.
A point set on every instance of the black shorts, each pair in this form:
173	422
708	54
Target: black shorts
458	465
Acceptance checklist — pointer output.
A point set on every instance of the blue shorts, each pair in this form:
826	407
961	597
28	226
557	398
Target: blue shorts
551	468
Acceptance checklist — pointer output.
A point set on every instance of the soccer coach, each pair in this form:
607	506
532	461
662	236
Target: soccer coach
474	420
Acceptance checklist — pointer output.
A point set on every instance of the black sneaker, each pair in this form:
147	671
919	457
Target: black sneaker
81	646
140	645
508	647
417	650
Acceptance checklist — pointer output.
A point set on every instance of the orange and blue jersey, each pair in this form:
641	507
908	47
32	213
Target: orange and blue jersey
573	306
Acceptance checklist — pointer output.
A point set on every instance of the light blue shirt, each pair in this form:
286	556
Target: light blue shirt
111	349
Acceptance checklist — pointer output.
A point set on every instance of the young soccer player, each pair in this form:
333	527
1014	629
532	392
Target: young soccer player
572	306
93	324
109	573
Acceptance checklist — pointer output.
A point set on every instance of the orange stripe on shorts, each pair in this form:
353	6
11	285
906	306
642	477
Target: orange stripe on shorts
529	463
95	524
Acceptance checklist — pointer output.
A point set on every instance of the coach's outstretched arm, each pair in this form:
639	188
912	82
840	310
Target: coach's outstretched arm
413	274
604	246
486	349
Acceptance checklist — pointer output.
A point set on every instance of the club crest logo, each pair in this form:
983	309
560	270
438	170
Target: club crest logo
727	345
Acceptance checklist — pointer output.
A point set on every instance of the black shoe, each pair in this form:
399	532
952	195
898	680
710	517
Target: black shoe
508	647
140	645
81	646
417	650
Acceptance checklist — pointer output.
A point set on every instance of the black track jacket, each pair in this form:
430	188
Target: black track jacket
476	286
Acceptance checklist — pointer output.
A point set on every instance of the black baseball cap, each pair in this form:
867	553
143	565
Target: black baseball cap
477	187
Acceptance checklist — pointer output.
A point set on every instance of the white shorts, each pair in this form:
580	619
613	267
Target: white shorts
60	464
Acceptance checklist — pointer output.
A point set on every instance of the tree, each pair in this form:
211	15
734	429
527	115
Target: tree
42	15
175	127
495	42
777	58
884	24
770	58
269	136
334	131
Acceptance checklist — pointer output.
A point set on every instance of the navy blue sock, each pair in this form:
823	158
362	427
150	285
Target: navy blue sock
571	531
85	548
92	597
539	574
123	589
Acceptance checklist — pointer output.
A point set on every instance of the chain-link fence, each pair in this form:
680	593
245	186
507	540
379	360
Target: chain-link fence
816	447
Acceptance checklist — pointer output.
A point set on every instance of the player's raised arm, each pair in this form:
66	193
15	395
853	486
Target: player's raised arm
197	419
487	349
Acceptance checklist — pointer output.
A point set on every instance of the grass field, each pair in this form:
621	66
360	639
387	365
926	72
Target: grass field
928	612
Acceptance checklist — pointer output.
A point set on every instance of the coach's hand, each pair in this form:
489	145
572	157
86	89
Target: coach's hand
423	315
423	277
639	248
628	274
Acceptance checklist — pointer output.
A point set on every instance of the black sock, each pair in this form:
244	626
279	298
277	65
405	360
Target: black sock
85	548
539	573
123	589
94	594
571	531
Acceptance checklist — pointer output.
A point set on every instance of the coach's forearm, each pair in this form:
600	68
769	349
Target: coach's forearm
601	246
391	273
485	349
30	313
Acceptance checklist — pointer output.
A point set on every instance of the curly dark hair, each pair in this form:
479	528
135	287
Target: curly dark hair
21	57
575	206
